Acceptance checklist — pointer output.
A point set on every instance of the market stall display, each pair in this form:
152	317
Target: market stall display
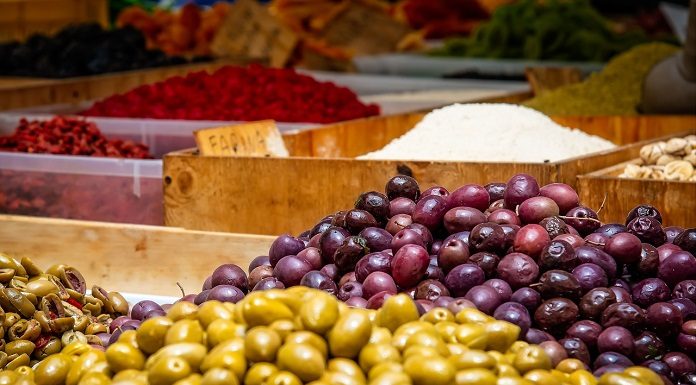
83	49
317	155
186	31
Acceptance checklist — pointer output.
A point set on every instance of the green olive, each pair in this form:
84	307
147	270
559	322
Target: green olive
542	377
226	356
384	367
193	379
168	371
183	310
349	335
283	327
437	315
569	365
95	378
18	301
53	370
431	371
380	335
11	318
531	357
304	360
222	330
447	330
6	275
471	315
283	377
218	376
7	377
53	346
83	365
514	381
96	328
304	337
405	331
263	311
618	379
372	354
420	350
71	336
151	334
76	348
346	366
61	325
501	334
475	376
261	344
19	360
130	374
455	349
41	287
185	330
582	377
472	359
506	370
319	313
391	378
19	347
210	311
428	339
122	356
30	267
644	374
337	378
193	353
259	373
8	262
396	311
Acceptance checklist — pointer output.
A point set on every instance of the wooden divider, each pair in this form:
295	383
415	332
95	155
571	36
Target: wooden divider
129	258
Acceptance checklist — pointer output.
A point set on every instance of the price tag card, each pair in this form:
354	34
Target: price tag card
365	29
251	32
260	138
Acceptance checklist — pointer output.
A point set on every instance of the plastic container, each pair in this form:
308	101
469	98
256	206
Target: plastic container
79	187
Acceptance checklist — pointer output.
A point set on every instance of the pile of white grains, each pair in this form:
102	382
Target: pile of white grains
490	132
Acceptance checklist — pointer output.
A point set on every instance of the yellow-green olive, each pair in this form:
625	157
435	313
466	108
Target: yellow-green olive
19	347
305	337
391	378
122	356
95	378
373	354
193	353
8	377
569	365
185	330
222	330
531	357
304	360
61	325
228	355
25	330
283	377
53	370
380	335
438	315
72	336
41	287
428	339
6	275
263	311
582	377
192	379
350	333
396	311
53	346
501	334
384	367
168	371
644	374
183	310
30	267
219	376
84	364
118	303
475	376
11	318
261	344
76	348
210	311
18	301
405	331
151	334
96	328
618	379
17	361
472	359
259	373
130	374
542	377
319	313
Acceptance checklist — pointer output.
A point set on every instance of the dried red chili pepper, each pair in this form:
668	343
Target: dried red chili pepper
74	302
69	136
238	93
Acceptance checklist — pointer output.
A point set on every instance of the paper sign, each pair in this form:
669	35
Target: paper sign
364	29
260	138
251	32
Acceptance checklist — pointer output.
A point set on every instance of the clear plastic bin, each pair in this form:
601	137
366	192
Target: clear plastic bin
79	187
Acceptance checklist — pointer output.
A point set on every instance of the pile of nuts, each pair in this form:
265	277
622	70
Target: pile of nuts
672	160
306	336
41	312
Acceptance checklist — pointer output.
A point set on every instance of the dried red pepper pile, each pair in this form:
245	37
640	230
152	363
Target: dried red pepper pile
238	93
69	136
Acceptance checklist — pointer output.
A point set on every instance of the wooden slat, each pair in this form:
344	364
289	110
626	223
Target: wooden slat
129	258
21	93
630	129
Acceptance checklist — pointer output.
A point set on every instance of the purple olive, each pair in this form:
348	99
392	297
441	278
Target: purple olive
648	346
349	290
430	211
520	188
503	288
331	271
531	240
528	297
406	237
463	277
230	274
536	336
258	261
565	196
374	203
587	331
628	315
397	223
577	349
201	297
677	267
313	256
514	313
485	298
648	230
664	319
377	300
282	246
349	253
685	289
470	195
556	315
556	226
320	227
142	308
452	253
487	236
401	205
686	306
488	262
583	219
616	339
680	363
357	302
590	276
291	269
409	265
330	241
589	254
226	293
518	270
356	220
372	262
402	186
423	232
672	232
558	255
650	291
376	239
318	280
269	283
463	219
612	358
431	290
595	301
378	282
504	216
534	209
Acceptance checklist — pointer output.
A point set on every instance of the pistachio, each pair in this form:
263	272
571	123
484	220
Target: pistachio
679	170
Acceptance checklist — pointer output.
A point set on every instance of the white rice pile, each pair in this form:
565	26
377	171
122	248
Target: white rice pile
490	132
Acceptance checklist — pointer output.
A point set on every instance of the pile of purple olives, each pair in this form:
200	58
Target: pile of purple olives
610	295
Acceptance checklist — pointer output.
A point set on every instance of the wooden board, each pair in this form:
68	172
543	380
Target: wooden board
675	200
129	258
20	19
28	92
630	129
273	195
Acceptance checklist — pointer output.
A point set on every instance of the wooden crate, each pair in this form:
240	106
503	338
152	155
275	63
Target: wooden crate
675	200
20	19
276	195
27	92
129	258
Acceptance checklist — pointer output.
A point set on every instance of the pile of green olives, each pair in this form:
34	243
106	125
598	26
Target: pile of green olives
43	311
305	336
